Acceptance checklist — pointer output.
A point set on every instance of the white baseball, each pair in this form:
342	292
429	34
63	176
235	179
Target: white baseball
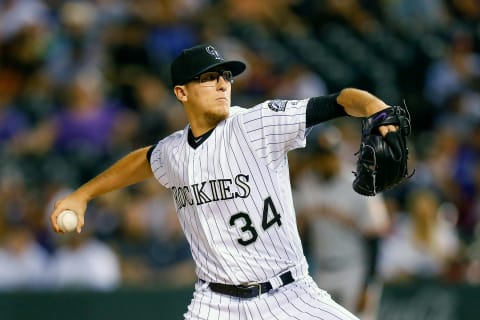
67	220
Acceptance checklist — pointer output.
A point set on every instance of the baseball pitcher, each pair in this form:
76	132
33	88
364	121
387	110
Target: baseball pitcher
228	174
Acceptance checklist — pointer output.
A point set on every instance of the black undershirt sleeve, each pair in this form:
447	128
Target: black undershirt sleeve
320	109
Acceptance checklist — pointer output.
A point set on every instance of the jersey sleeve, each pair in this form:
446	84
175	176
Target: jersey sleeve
158	163
275	127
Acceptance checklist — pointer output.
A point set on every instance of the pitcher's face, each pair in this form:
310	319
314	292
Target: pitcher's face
208	96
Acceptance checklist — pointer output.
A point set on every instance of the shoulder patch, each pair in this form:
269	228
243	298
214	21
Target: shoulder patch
277	105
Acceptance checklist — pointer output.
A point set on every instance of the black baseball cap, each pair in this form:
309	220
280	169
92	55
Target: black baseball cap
199	59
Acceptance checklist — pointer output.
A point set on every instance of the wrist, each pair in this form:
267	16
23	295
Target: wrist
360	103
375	107
83	194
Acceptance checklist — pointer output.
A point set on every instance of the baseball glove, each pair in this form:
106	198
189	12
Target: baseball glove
382	161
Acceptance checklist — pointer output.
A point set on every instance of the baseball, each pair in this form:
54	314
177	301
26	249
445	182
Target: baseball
67	220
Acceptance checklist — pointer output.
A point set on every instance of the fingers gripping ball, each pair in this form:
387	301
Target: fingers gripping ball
67	221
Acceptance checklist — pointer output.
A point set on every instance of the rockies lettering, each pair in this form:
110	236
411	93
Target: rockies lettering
211	190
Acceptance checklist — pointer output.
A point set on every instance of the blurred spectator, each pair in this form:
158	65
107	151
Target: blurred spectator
83	262
38	98
76	44
23	262
89	120
261	79
436	168
466	166
416	17
13	195
460	112
338	221
128	58
298	82
151	240
159	113
423	241
447	165
16	15
465	10
111	11
273	13
458	71
87	129
472	273
171	27
354	13
13	123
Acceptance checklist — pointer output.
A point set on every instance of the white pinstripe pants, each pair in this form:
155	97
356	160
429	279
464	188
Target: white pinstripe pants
300	300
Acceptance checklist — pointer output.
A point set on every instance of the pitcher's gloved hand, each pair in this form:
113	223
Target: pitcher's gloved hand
382	160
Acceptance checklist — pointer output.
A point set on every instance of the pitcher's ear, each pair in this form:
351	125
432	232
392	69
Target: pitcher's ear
180	93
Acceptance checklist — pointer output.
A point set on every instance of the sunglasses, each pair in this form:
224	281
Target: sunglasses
211	78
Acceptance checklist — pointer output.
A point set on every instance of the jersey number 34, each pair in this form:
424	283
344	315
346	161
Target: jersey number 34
270	217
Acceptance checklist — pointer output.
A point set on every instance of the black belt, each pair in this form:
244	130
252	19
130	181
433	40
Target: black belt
249	290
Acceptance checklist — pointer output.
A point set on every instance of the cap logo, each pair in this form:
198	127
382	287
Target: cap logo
211	50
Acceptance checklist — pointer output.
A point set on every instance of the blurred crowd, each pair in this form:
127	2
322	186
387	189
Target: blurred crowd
84	82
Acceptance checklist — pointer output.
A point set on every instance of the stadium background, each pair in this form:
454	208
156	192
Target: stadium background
84	82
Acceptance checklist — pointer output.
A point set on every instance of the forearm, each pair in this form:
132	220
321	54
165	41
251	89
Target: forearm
131	169
359	103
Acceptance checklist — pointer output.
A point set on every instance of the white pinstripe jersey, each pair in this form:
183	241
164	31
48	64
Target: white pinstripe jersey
233	194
